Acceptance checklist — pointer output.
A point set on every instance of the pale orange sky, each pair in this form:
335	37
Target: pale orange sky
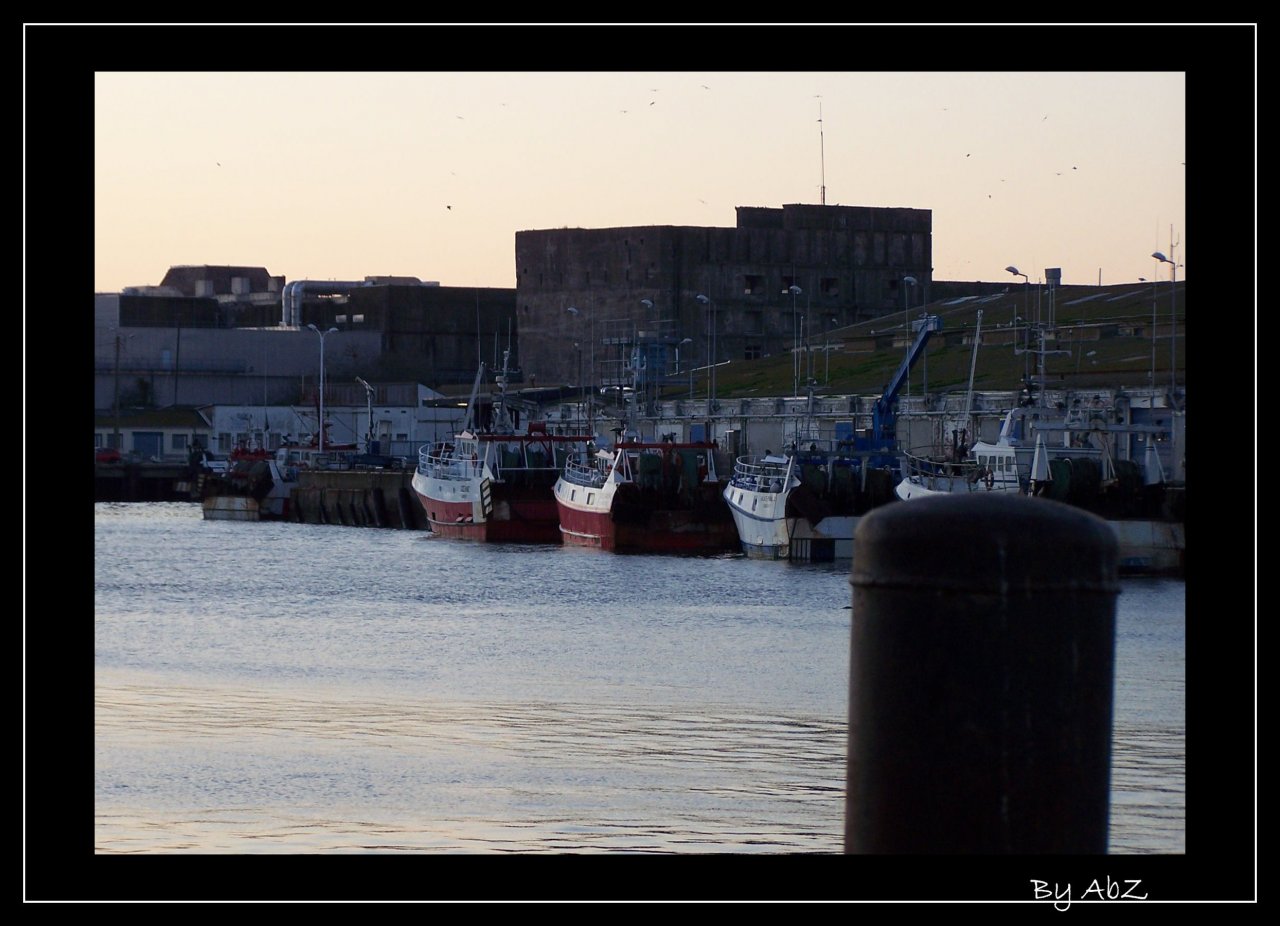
344	175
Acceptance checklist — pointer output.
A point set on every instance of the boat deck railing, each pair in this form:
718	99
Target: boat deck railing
439	462
584	474
758	476
951	476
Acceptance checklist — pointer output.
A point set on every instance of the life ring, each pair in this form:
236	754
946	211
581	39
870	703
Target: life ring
991	480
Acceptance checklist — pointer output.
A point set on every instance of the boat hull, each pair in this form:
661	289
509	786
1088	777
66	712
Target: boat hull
502	514
634	522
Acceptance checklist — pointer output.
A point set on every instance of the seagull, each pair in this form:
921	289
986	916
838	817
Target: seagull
448	207
705	87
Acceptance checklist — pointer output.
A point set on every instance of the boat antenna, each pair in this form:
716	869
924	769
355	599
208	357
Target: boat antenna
822	155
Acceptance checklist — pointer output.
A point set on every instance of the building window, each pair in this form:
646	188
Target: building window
97	441
752	352
753	285
787	283
830	286
224	442
178	442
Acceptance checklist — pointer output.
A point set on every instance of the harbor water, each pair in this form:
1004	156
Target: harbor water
283	688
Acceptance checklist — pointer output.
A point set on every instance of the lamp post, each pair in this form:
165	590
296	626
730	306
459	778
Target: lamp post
322	335
711	341
795	340
116	400
1173	321
577	346
826	346
1152	376
906	325
368	434
1026	285
678	346
924	364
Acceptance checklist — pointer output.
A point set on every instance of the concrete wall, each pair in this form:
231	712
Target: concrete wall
202	366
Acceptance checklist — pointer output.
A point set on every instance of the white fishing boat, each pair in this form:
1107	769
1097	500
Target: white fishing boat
805	503
494	484
987	467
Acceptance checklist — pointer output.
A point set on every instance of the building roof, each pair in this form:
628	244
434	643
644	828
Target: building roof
134	418
185	277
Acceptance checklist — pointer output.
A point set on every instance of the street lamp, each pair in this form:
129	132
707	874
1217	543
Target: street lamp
368	434
116	401
924	363
678	346
711	341
1026	287
906	325
322	337
795	340
1173	321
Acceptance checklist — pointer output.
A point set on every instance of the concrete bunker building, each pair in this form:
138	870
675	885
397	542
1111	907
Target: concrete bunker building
625	301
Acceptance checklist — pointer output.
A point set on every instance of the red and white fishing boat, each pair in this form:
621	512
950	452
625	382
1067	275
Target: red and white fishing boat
646	497
494	484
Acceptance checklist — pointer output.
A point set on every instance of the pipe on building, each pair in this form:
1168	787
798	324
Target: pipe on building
292	294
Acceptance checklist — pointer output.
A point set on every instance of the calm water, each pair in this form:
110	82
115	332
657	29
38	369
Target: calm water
288	688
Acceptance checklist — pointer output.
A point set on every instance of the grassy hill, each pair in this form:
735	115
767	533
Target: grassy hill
1105	334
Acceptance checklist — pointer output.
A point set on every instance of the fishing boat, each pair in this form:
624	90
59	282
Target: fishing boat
494	484
256	486
986	467
646	497
805	503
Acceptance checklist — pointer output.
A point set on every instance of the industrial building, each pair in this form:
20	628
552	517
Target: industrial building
638	302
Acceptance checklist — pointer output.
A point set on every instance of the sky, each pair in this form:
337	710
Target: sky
337	176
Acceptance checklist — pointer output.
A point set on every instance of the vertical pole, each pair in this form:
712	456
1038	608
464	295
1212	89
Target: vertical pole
1173	330
116	401
322	392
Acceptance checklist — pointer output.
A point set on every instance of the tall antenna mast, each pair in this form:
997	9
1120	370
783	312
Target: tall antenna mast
822	150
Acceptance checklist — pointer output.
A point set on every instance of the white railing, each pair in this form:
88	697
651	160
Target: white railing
585	474
759	477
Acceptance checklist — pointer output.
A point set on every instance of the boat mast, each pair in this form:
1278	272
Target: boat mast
469	422
973	365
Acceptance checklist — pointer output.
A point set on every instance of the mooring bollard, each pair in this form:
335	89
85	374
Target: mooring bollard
980	678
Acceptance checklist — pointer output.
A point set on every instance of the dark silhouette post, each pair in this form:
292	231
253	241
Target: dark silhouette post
981	676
